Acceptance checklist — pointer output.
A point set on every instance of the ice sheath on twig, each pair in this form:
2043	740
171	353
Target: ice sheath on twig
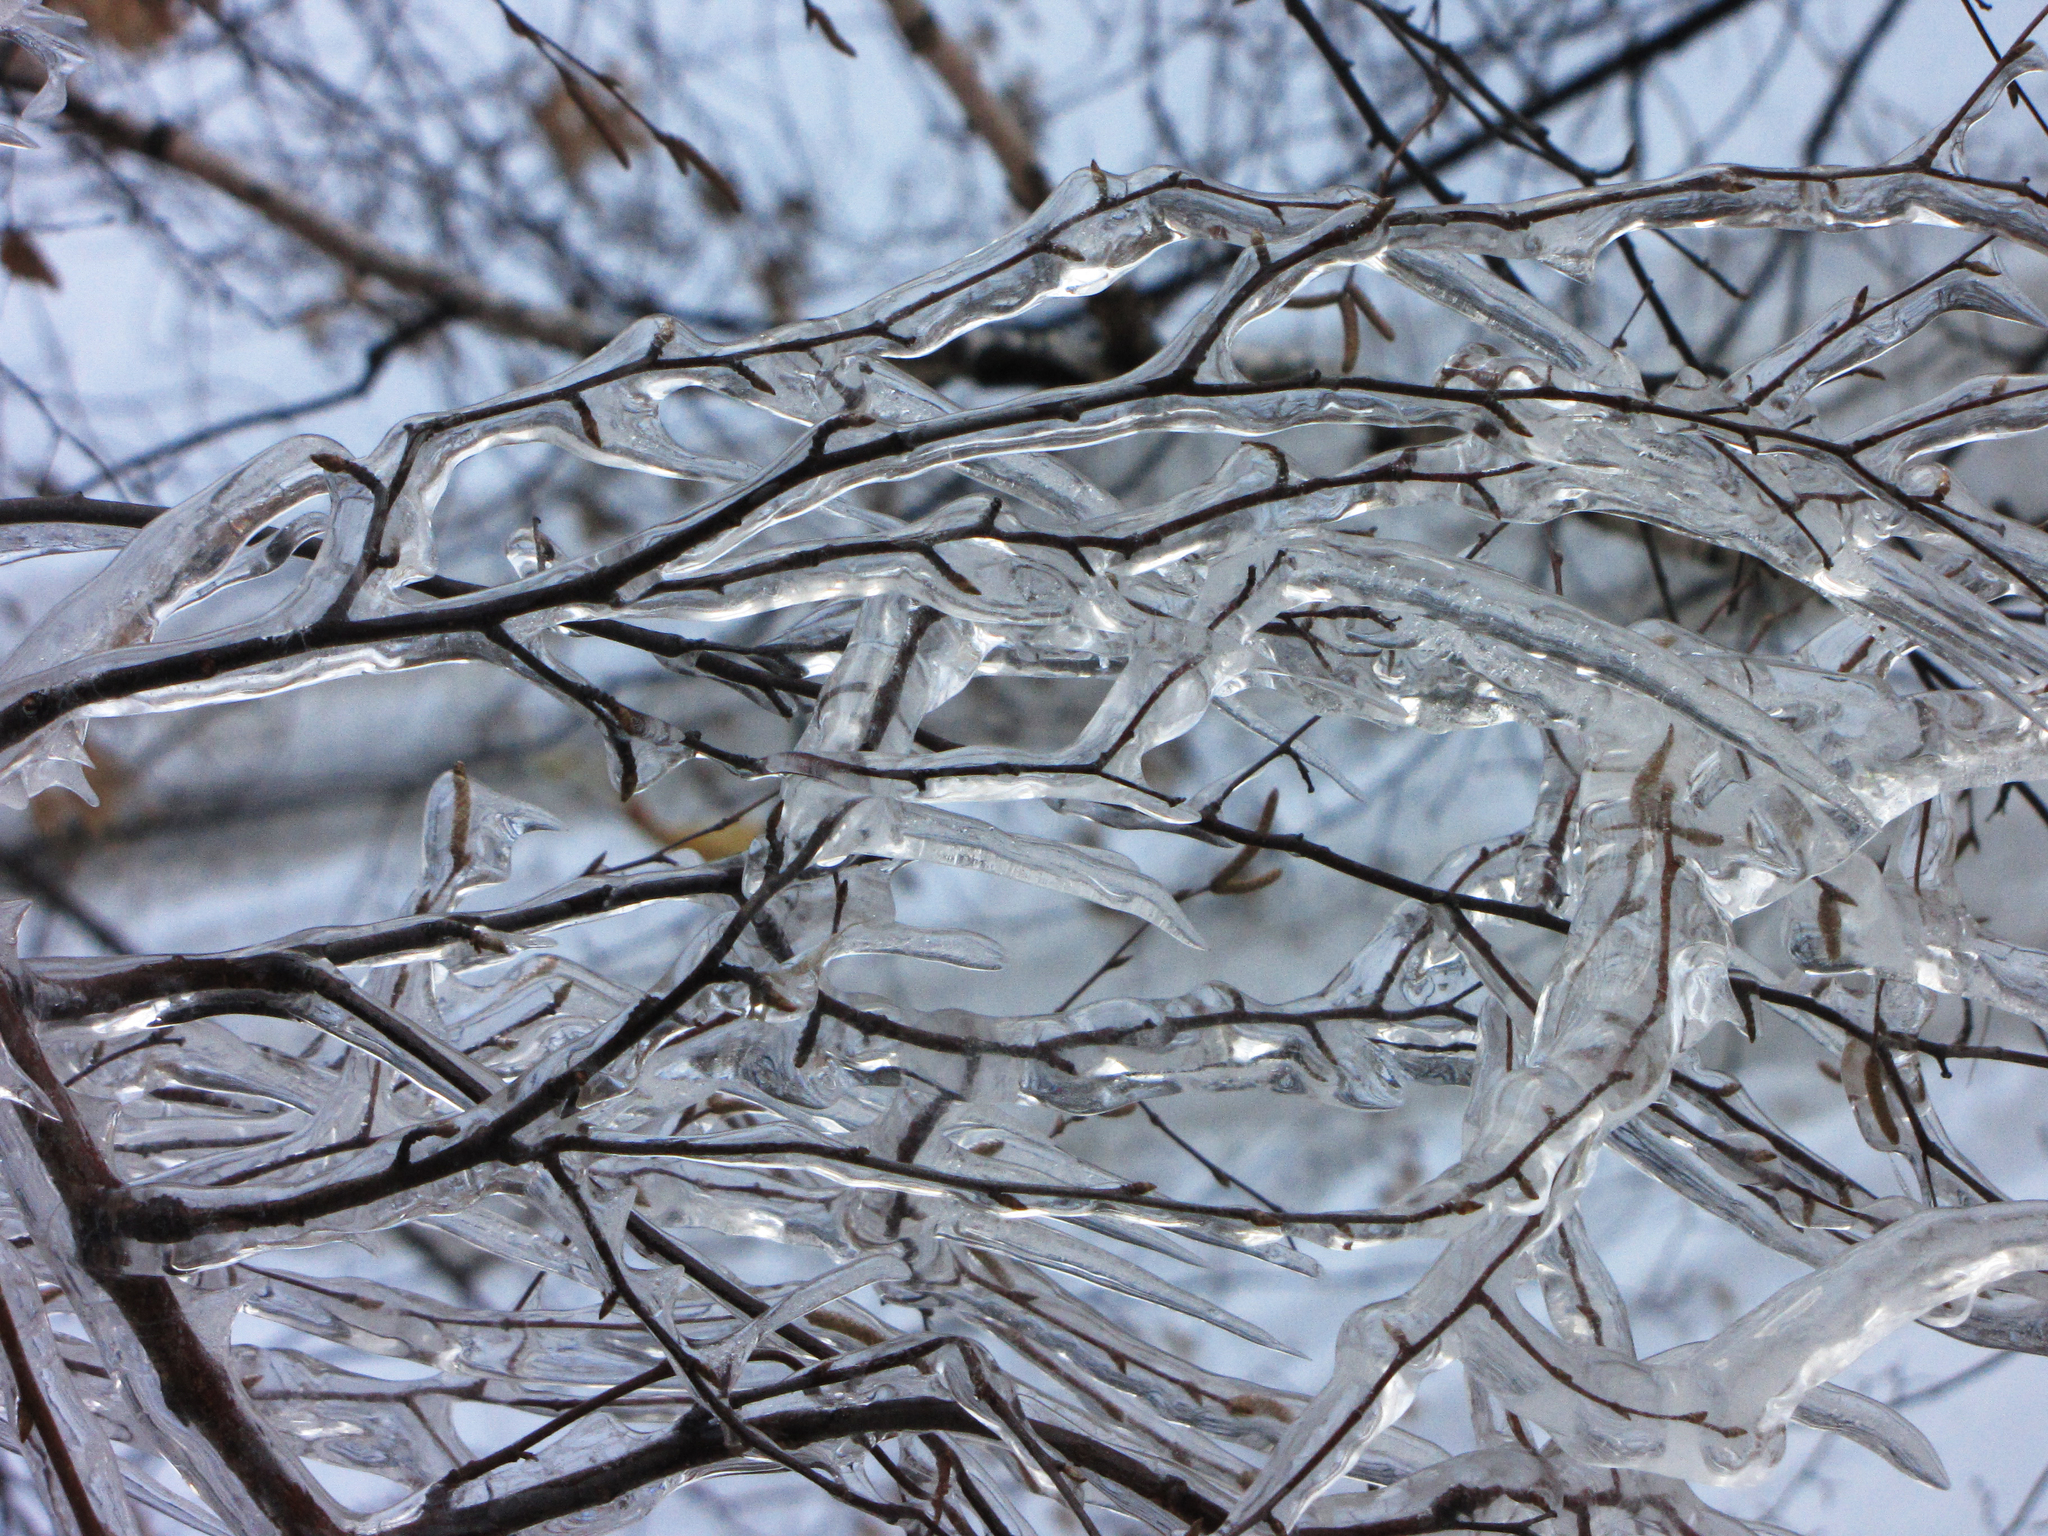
458	1074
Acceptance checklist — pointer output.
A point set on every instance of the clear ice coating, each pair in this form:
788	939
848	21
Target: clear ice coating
464	1078
42	34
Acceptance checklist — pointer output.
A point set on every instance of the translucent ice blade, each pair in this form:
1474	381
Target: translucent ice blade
1486	603
124	602
2002	405
1853	335
470	834
905	830
726	1358
948	946
1583	1300
561	1347
1877	1428
63	1440
1378	1369
1037	1243
1472	291
404	1433
25	541
40	32
1767	1362
1948	145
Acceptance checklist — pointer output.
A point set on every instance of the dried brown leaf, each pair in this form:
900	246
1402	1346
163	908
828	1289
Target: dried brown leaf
720	196
135	25
24	259
577	125
1246	885
814	16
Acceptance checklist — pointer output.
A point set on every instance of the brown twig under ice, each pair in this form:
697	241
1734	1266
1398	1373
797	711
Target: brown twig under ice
1409	703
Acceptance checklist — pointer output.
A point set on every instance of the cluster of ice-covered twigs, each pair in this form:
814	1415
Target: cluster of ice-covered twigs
476	1081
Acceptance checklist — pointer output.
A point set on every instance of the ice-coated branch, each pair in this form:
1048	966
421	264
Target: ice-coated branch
456	1074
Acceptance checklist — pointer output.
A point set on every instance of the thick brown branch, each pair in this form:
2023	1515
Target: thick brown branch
196	1386
454	293
988	115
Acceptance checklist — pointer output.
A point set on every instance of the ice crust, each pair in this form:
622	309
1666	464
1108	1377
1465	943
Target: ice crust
1688	786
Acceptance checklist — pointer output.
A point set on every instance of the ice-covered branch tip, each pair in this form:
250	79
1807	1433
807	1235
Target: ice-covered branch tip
588	1126
43	34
